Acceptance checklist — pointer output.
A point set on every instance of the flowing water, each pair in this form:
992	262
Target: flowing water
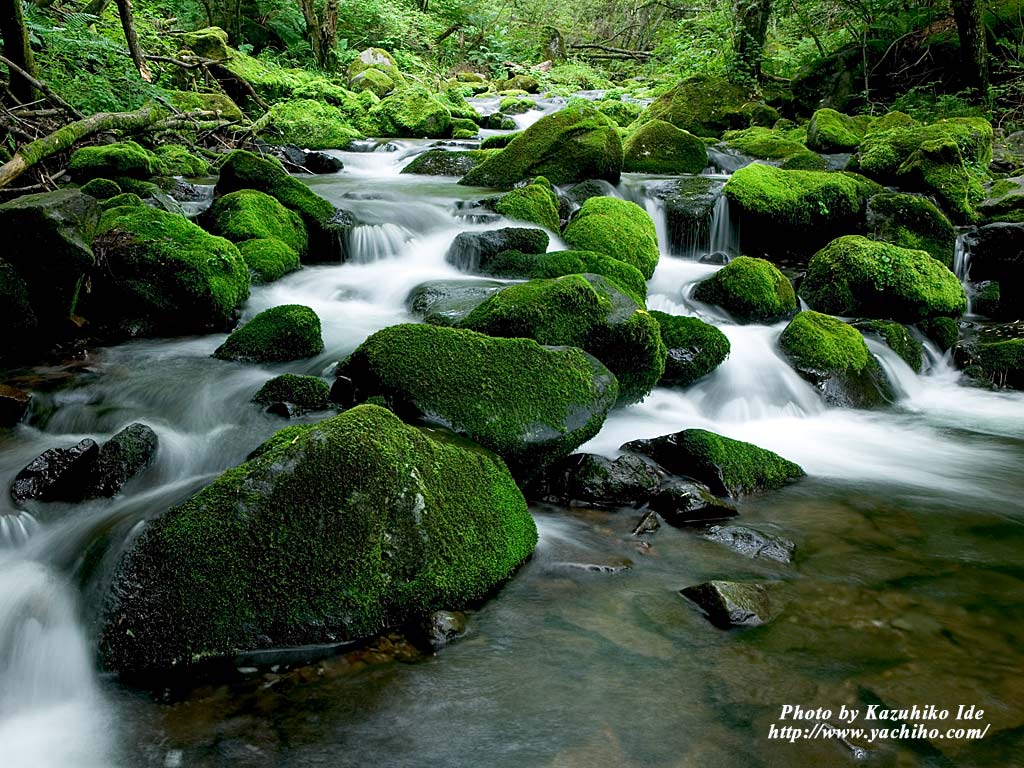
906	587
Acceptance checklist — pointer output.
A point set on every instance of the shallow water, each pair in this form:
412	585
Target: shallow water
906	586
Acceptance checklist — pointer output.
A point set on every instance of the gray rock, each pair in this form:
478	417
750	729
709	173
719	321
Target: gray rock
588	479
751	543
56	473
470	248
730	604
446	302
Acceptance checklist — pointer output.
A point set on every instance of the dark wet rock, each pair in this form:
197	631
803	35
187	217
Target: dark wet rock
469	249
14	404
648	523
1008	153
681	503
588	479
120	459
446	302
289	395
997	253
993	355
751	543
580	193
689	208
310	160
732	604
441	628
56	473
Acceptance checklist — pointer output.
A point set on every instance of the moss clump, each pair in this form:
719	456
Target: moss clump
535	203
833	356
987	299
855	276
704	106
1004	200
210	43
695	348
752	290
124	158
123	200
310	393
459	108
535	266
832	131
372	80
311	124
101	189
796	211
287	332
248	214
178	161
944	331
910	221
530	404
728	467
523	83
574	144
622	112
191	101
586	311
763	143
1000	363
378	59
660	147
410	112
163	274
898	339
268	258
618	228
498	142
461	124
342	530
441	162
516	105
804	161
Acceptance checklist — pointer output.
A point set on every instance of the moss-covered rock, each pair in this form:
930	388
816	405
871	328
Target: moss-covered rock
618	228
307	393
210	43
102	189
586	311
704	106
248	214
944	331
340	531
763	143
469	250
268	258
535	203
834	357
164	275
804	161
524	83
660	147
177	161
498	142
987	300
110	161
516	105
728	467
897	337
832	131
447	302
410	112
622	112
373	80
378	59
854	276
287	332
574	144
994	356
796	212
751	290
1004	199
534	266
220	103
910	221
123	200
442	162
311	124
459	108
530	404
695	348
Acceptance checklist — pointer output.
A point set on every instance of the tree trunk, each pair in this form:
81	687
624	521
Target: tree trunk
329	35
313	31
18	49
751	25
124	10
970	25
96	7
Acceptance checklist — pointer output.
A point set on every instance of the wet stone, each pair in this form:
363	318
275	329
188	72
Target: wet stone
751	543
648	524
588	479
441	628
55	473
683	503
730	604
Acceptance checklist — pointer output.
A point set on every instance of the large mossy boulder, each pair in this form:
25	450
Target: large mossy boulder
660	147
311	124
164	275
728	467
911	221
378	59
993	356
694	348
334	531
248	214
618	228
535	266
286	332
832	131
175	160
855	276
111	161
833	357
373	80
209	42
574	144
751	290
529	403
704	106
764	143
268	258
535	203
411	112
796	212
1004	198
219	103
297	393
442	162
586	311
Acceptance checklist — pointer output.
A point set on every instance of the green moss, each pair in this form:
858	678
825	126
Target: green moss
268	258
442	162
944	331
763	143
461	124
910	221
574	144
523	83
121	201
832	131
210	43
378	59
622	112
533	266
986	301
221	104
695	348
898	339
704	106
997	362
372	80
124	158
660	147
248	214
164	274
804	161
516	105
348	527
410	112
244	170
287	332
854	276
752	290
178	161
535	203
311	124
530	404
498	142
101	189
144	189
620	229
457	105
308	392
586	311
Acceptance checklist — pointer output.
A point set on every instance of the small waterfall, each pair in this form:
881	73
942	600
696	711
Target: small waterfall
723	233
367	243
655	208
962	267
202	200
16	529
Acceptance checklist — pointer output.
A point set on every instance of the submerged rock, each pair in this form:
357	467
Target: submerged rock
681	503
751	543
442	628
287	332
732	604
591	480
618	228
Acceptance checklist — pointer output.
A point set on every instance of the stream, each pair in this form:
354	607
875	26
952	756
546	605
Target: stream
907	584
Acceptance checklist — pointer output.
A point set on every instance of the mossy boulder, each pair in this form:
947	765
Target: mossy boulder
373	80
728	467
535	203
944	331
534	266
125	199
378	59
338	531
306	393
470	250
796	212
897	337
987	300
751	290
763	143
804	161
704	106
911	221
220	103
832	131
101	189
411	112
1004	199
834	357
994	356
855	276
622	112
178	161
516	105
530	404
524	83
442	162
586	311
268	258
248	214
110	161
574	144
695	348
311	124
287	332
618	228
210	43
660	147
